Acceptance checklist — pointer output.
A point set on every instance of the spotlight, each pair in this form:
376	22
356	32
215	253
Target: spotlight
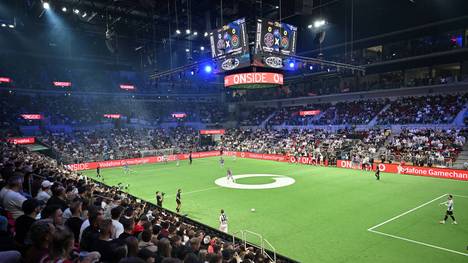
291	65
84	15
208	69
46	5
3	25
319	23
195	33
277	7
64	9
206	34
187	31
202	48
192	72
11	26
177	32
311	67
309	26
76	11
187	50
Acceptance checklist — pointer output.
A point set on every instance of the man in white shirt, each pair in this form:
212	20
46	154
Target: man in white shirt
13	200
44	194
223	222
118	228
449	212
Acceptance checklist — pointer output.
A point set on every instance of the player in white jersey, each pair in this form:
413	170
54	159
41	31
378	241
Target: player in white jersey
177	160
223	222
449	204
229	176
126	169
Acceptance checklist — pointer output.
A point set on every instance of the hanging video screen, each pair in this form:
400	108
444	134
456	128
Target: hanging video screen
274	41
230	46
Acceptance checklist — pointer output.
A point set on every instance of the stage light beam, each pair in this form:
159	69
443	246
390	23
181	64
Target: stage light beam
46	5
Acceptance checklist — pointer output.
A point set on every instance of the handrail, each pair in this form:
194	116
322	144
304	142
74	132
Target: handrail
263	241
272	249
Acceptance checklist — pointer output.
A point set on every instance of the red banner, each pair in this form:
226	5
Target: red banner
112	116
62	84
253	78
179	115
212	132
411	170
309	112
127	87
5	80
25	140
134	161
31	116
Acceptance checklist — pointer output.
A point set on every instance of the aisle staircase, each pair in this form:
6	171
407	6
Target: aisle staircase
263	124
462	158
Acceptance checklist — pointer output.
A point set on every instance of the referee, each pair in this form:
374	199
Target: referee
178	200
449	212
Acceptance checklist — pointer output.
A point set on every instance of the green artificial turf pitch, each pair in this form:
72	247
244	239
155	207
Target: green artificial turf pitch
324	216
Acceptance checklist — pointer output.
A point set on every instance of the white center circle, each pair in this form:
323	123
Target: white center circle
280	181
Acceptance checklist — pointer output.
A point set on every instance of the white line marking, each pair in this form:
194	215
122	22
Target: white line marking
197	191
405	213
419	243
464	196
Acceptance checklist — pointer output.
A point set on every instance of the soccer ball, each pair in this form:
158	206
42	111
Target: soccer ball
252	210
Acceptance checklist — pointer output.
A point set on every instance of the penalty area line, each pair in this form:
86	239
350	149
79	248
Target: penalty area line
419	243
405	213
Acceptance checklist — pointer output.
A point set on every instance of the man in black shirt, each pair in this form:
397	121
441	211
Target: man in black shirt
377	173
74	222
178	200
159	198
190	157
128	225
31	208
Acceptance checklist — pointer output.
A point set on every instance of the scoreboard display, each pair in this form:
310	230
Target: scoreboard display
274	41
230	46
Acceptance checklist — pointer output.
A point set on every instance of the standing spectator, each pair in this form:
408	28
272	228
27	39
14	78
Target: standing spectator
13	200
58	197
117	227
74	222
44	194
31	209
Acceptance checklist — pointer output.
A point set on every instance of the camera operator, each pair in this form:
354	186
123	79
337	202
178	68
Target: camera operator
159	198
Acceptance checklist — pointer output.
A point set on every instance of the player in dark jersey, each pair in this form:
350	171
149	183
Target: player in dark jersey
377	173
178	200
190	157
159	198
98	171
